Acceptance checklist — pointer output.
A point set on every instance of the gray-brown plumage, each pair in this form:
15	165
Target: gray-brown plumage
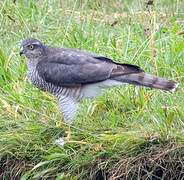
72	75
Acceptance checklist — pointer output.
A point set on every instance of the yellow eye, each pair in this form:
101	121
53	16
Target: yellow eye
31	47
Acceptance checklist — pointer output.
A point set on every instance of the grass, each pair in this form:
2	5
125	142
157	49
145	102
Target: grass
129	132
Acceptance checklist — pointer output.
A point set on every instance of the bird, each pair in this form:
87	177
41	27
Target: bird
72	75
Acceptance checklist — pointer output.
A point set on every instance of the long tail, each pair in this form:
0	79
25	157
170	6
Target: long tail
144	79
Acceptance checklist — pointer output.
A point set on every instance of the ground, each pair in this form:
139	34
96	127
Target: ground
127	133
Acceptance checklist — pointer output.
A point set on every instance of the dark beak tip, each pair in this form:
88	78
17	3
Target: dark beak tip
21	52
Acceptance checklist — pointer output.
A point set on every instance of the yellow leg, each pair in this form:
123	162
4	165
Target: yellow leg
67	139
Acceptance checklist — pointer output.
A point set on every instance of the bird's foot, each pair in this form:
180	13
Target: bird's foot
67	138
62	141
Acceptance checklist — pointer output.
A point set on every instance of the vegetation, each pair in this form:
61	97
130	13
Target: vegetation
127	133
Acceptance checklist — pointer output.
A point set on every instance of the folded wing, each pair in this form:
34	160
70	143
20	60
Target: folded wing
70	70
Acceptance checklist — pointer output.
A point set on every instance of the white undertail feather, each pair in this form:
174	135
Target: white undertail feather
96	89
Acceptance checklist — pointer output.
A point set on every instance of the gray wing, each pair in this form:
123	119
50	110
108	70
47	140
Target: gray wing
76	69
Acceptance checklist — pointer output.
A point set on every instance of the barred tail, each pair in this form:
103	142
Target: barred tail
143	79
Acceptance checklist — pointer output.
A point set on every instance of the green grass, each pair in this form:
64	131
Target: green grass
129	132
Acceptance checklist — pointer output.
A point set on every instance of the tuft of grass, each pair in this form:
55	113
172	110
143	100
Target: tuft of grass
127	133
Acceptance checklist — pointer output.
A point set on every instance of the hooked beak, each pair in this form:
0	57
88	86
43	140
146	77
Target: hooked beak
21	51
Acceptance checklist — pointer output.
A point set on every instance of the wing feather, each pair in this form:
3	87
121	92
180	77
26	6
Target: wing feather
76	69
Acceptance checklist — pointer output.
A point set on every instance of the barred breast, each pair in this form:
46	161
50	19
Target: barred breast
74	92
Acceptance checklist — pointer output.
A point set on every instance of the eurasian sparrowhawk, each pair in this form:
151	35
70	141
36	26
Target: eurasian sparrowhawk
72	75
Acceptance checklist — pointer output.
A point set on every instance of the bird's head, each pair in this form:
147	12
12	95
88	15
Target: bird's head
32	48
